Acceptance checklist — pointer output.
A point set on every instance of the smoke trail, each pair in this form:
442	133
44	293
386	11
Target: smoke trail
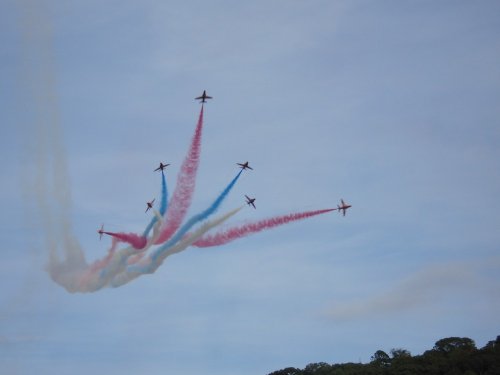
196	219
164	195
138	242
104	270
67	265
183	193
163	205
182	232
232	234
98	275
153	262
90	272
148	266
188	241
51	185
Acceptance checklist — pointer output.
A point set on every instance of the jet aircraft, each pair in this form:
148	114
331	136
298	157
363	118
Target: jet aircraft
161	167
149	205
250	201
244	165
343	207
203	97
101	232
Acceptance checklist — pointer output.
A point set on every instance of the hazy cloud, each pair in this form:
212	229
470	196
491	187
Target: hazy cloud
421	289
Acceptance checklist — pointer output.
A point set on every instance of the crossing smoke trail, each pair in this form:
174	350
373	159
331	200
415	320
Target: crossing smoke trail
190	223
164	236
139	242
232	234
112	270
151	266
196	219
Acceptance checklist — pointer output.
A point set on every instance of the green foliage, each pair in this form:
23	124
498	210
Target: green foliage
452	344
380	359
320	368
449	356
400	353
288	371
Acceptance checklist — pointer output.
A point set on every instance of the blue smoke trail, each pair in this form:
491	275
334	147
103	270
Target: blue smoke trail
184	229
163	205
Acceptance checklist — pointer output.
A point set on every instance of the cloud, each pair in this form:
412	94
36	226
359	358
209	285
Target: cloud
422	289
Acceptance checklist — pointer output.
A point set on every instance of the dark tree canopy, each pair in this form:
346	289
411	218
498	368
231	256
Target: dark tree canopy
381	358
449	356
453	343
287	371
400	353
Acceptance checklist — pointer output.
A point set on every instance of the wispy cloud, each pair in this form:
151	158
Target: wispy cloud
419	290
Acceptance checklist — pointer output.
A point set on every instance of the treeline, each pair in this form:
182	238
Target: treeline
449	356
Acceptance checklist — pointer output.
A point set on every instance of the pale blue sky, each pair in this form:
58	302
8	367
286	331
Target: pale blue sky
392	105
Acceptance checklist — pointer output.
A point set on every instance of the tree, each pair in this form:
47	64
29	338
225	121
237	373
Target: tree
449	356
317	368
402	362
287	371
400	353
450	344
494	344
381	359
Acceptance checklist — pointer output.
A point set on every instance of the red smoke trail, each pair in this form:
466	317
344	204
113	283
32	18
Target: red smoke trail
231	234
138	242
183	193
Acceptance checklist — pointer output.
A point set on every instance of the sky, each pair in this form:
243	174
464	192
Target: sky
390	105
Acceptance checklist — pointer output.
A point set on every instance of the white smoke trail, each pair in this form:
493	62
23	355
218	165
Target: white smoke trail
77	277
33	158
51	185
